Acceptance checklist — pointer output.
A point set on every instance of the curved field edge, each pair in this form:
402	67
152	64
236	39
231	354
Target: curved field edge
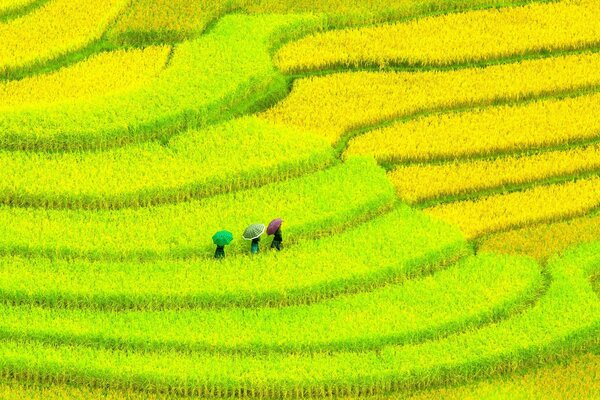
470	180
105	73
183	26
344	105
130	124
336	198
19	9
240	154
305	273
540	120
514	210
476	291
453	39
180	19
221	74
563	322
35	39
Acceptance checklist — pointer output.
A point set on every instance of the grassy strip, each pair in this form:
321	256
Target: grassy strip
341	103
305	273
473	292
324	202
421	183
540	204
565	321
544	240
103	74
240	154
208	78
40	36
463	38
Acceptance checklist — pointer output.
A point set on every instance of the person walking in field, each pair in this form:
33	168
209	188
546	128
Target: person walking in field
253	233
221	239
274	229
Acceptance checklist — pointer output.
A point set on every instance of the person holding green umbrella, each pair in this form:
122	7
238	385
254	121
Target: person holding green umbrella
221	239
253	233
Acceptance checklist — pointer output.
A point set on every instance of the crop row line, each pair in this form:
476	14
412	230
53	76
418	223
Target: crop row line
509	188
401	67
518	284
342	144
564	322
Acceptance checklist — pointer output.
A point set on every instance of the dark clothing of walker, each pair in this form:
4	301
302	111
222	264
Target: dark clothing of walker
221	239
254	246
277	240
220	252
253	233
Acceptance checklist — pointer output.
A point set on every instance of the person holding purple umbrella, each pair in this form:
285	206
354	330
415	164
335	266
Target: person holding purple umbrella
275	230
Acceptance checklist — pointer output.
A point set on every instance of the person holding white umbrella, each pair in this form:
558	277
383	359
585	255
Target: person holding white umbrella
253	233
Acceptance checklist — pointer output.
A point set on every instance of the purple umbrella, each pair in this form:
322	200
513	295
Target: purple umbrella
274	226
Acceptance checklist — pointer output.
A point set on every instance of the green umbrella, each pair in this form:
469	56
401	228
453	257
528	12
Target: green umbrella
254	231
222	238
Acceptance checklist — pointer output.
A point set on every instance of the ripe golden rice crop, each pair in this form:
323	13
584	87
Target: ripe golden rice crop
487	131
59	27
336	104
452	38
513	210
99	75
416	183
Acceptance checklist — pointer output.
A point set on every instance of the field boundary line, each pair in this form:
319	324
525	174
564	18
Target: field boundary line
503	311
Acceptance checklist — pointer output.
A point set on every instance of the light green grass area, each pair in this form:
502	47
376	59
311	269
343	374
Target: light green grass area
306	272
240	154
473	292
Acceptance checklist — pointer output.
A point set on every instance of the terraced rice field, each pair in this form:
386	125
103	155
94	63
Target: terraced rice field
436	164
